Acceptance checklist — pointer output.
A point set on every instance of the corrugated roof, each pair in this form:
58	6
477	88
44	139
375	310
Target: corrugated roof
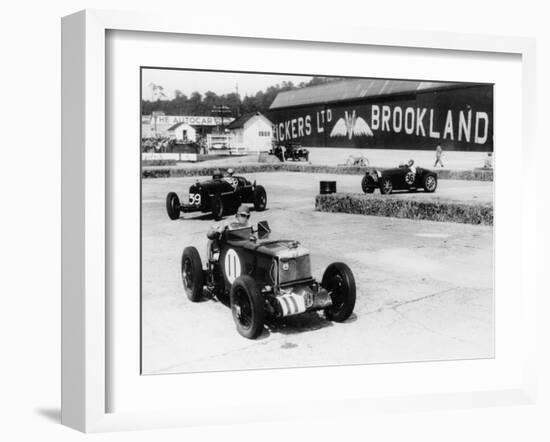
352	89
240	122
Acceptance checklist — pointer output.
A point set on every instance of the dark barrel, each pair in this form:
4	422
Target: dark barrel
327	187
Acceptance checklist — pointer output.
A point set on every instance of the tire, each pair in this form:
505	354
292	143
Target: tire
386	186
430	183
338	279
260	198
191	274
217	207
173	205
247	307
367	184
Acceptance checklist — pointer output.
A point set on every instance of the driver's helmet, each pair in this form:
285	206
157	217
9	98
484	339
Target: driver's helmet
230	171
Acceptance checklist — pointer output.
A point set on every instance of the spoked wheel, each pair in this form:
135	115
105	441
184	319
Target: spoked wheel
173	205
260	198
338	279
430	183
191	273
367	184
247	307
386	186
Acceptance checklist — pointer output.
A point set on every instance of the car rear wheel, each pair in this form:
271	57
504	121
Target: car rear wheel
338	279
260	198
247	307
173	205
367	184
386	186
430	183
217	207
191	273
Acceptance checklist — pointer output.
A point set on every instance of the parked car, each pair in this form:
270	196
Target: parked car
290	152
221	196
403	177
260	279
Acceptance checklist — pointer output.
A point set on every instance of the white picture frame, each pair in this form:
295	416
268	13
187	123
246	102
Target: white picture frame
85	201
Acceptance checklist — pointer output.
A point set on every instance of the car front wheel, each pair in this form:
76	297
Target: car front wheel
247	307
338	279
430	183
173	205
191	273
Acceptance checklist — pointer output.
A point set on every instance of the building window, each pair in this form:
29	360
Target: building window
264	133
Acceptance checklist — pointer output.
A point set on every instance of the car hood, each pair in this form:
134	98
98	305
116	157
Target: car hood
400	170
283	249
224	184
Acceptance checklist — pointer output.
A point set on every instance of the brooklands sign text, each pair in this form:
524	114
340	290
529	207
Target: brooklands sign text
456	125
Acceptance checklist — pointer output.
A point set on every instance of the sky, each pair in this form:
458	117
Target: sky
218	82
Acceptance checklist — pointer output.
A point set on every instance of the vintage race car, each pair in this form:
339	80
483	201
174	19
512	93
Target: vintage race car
221	195
404	177
263	279
292	152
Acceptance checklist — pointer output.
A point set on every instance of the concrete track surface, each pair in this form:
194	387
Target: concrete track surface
424	289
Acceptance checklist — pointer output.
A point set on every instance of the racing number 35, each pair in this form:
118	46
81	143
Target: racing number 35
195	199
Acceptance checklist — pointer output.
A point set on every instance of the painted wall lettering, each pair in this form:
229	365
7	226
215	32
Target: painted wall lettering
459	118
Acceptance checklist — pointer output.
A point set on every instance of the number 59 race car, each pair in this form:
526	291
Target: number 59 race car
404	177
221	195
266	279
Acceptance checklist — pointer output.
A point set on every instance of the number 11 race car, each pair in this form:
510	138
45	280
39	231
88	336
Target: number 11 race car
221	195
265	279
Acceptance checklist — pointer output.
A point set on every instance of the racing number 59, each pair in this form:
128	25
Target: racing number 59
195	199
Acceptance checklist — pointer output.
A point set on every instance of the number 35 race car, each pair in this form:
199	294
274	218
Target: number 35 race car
404	177
264	279
221	195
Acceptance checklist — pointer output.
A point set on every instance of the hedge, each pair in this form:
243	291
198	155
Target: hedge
396	207
148	172
146	163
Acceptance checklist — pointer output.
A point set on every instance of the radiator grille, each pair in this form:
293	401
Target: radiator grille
296	269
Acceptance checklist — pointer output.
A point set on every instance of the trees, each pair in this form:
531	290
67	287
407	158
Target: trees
197	104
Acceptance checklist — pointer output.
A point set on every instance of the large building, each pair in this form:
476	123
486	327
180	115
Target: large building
387	114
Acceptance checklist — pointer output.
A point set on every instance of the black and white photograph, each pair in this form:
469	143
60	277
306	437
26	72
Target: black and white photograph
297	221
309	220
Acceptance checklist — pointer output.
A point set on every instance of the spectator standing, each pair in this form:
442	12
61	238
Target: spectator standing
488	161
438	155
